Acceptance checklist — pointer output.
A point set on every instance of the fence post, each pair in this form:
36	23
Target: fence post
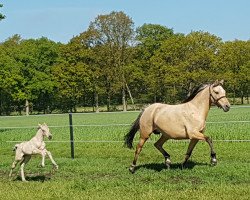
71	136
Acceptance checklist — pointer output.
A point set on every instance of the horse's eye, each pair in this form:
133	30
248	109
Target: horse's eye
216	92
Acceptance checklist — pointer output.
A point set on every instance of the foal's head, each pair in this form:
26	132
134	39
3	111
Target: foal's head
218	95
45	130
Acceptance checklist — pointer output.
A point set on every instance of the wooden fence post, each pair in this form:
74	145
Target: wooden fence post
71	136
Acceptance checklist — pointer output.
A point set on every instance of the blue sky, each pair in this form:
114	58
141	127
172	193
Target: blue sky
60	20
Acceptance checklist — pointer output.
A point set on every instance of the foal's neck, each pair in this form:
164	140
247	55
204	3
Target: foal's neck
39	135
202	102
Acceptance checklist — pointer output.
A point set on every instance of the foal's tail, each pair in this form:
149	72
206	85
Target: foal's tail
128	139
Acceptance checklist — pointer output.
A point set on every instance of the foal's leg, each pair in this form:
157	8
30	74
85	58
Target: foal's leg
25	160
13	167
159	145
43	154
18	158
137	152
191	146
51	158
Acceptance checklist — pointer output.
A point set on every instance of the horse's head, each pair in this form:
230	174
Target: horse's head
218	95
45	130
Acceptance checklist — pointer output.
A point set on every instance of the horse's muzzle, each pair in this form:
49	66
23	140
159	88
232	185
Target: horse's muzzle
50	137
226	108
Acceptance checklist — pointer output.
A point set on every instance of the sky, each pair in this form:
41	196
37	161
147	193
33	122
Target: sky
60	20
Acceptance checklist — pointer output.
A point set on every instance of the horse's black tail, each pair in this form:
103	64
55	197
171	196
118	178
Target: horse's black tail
128	139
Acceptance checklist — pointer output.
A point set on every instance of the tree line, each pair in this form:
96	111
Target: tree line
113	63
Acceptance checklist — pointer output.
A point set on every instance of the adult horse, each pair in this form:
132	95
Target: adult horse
182	121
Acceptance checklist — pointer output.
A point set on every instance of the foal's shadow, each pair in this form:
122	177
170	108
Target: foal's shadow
36	178
176	166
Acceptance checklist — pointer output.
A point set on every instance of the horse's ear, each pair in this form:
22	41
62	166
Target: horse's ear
216	83
221	82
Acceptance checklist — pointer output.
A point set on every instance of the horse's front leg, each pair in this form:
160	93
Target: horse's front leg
191	146
51	158
213	154
201	136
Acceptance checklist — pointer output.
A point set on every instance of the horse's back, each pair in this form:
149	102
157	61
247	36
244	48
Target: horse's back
168	119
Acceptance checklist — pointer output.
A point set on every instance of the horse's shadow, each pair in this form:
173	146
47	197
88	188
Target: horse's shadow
175	166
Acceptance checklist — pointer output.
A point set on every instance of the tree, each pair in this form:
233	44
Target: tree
113	36
1	15
185	61
72	74
233	63
34	59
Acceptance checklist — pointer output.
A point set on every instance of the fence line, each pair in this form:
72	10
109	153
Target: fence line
116	112
106	125
121	141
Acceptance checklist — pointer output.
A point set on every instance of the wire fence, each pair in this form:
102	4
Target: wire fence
66	125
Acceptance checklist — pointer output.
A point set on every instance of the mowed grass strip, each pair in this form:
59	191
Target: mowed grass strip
100	170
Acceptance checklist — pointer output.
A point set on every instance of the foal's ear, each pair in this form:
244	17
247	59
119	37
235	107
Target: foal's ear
39	126
216	83
221	82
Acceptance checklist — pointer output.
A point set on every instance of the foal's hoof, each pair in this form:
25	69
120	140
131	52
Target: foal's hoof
55	167
132	169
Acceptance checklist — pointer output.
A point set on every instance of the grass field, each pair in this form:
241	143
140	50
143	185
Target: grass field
100	169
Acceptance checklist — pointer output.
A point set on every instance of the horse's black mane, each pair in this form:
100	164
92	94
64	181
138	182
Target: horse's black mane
195	91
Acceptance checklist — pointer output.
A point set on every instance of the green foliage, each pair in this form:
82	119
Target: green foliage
1	15
110	63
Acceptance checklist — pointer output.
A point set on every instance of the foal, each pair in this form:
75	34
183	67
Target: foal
36	145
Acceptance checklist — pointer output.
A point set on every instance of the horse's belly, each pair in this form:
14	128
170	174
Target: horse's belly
177	134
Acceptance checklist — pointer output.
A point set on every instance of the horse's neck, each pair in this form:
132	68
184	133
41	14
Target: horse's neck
202	102
39	136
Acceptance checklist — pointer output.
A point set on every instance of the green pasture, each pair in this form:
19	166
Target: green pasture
100	167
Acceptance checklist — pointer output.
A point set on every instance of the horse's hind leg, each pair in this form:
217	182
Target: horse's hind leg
159	145
25	160
191	146
137	152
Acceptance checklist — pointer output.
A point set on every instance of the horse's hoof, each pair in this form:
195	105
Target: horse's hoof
213	162
168	163
132	169
183	166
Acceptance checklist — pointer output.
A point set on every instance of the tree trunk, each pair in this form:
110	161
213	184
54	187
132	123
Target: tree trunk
108	103
27	108
96	102
129	93
124	99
